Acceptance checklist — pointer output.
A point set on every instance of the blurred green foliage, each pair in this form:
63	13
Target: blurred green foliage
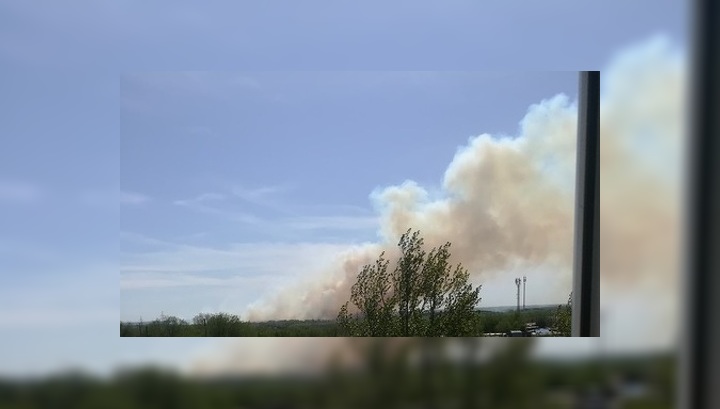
393	373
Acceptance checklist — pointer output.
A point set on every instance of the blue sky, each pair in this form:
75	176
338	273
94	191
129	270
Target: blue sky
69	74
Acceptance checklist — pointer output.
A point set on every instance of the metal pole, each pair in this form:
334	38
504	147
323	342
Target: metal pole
700	358
586	266
524	288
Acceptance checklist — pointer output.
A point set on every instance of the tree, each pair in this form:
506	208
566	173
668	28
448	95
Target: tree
201	320
371	295
226	325
460	317
407	280
563	318
171	326
423	296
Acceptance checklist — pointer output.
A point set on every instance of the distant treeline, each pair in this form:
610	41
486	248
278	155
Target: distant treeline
228	325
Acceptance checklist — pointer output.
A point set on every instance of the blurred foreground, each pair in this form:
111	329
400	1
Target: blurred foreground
379	373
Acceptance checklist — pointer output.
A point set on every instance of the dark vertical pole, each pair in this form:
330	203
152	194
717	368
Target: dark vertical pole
586	266
700	359
524	287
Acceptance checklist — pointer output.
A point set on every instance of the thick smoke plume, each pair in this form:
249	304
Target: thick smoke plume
506	202
642	127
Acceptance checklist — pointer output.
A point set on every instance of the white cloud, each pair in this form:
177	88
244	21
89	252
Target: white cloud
257	194
263	197
205	197
19	192
137	281
132	198
239	260
199	204
144	240
333	223
111	197
193	236
266	197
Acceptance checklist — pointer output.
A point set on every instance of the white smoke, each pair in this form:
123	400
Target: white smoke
507	203
499	190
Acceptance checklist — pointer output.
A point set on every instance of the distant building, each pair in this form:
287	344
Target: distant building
530	329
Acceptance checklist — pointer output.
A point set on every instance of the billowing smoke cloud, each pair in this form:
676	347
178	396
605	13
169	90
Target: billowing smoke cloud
495	224
506	202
